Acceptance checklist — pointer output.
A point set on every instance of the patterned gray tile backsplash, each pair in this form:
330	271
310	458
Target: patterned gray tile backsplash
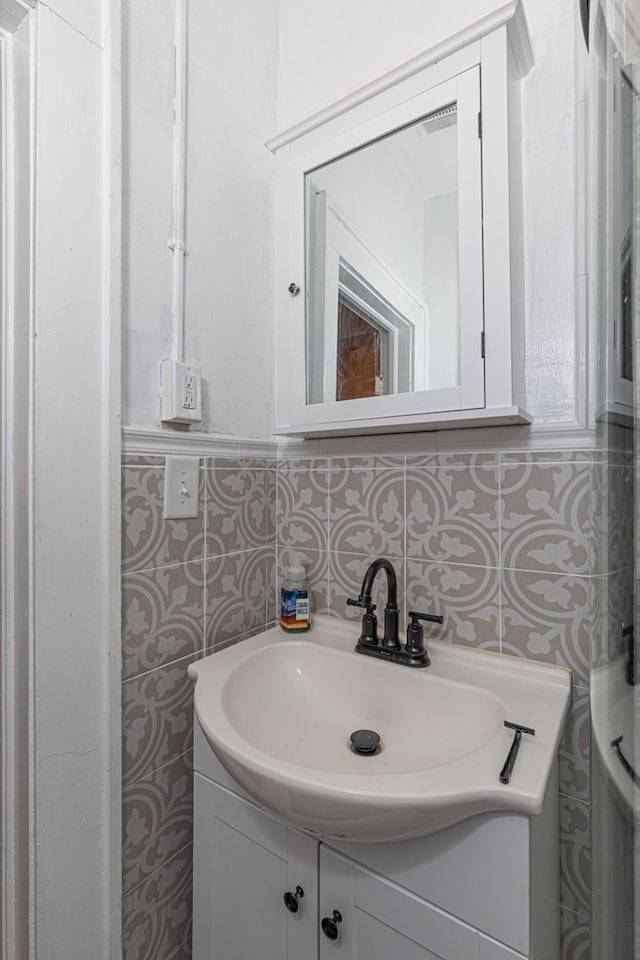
367	512
188	586
575	857
156	914
575	747
545	517
157	719
522	552
157	819
162	616
147	539
183	952
467	597
548	617
452	515
236	594
576	936
238	513
302	509
514	549
452	460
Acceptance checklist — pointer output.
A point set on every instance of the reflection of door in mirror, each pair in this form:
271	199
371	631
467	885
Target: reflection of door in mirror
362	363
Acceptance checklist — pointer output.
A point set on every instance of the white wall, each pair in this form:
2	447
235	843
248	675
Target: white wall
148	85
328	50
230	211
237	53
229	265
550	142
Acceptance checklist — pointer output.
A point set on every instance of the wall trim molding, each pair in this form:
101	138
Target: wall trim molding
543	436
511	15
538	437
150	441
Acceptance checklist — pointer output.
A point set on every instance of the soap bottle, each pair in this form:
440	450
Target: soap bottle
294	601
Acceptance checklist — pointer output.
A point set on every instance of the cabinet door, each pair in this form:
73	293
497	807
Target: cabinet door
375	248
381	921
244	863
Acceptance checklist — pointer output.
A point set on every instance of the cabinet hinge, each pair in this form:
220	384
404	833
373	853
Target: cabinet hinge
480	125
482	344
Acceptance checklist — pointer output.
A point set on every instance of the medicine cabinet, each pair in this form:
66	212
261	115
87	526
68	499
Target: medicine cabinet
399	246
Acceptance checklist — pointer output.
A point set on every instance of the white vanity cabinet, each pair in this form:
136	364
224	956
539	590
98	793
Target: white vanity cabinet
485	889
244	863
381	920
399	264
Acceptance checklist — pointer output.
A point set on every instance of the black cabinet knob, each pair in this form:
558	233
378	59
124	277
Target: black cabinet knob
291	899
330	925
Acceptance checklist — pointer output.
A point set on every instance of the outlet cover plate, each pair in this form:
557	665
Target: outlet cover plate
180	392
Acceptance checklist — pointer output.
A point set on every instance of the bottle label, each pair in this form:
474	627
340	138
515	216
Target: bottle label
302	608
294	608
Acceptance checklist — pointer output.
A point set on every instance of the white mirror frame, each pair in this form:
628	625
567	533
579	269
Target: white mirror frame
491	266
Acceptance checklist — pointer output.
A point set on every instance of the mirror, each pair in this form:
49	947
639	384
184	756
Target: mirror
382	265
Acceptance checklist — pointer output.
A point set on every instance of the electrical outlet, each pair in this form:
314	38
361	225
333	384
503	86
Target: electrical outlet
181	392
189	392
181	487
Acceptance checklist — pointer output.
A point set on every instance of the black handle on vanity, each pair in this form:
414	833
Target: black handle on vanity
329	925
291	899
507	770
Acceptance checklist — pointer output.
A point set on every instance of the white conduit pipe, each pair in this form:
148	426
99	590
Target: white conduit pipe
178	240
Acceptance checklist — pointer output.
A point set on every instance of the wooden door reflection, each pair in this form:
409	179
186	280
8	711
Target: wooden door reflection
358	368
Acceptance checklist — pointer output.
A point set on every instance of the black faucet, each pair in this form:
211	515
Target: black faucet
413	653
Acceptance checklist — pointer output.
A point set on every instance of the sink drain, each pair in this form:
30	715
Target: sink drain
365	743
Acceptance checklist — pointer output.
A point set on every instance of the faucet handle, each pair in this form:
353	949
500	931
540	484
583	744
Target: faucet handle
366	605
369	620
431	617
415	634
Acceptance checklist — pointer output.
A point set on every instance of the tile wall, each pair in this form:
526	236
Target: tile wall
521	553
189	587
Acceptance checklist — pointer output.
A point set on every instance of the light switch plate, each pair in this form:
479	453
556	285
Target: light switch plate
181	488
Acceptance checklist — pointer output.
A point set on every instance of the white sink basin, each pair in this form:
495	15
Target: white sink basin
279	713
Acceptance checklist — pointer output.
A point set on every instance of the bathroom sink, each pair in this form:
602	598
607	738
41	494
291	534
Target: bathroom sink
279	712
